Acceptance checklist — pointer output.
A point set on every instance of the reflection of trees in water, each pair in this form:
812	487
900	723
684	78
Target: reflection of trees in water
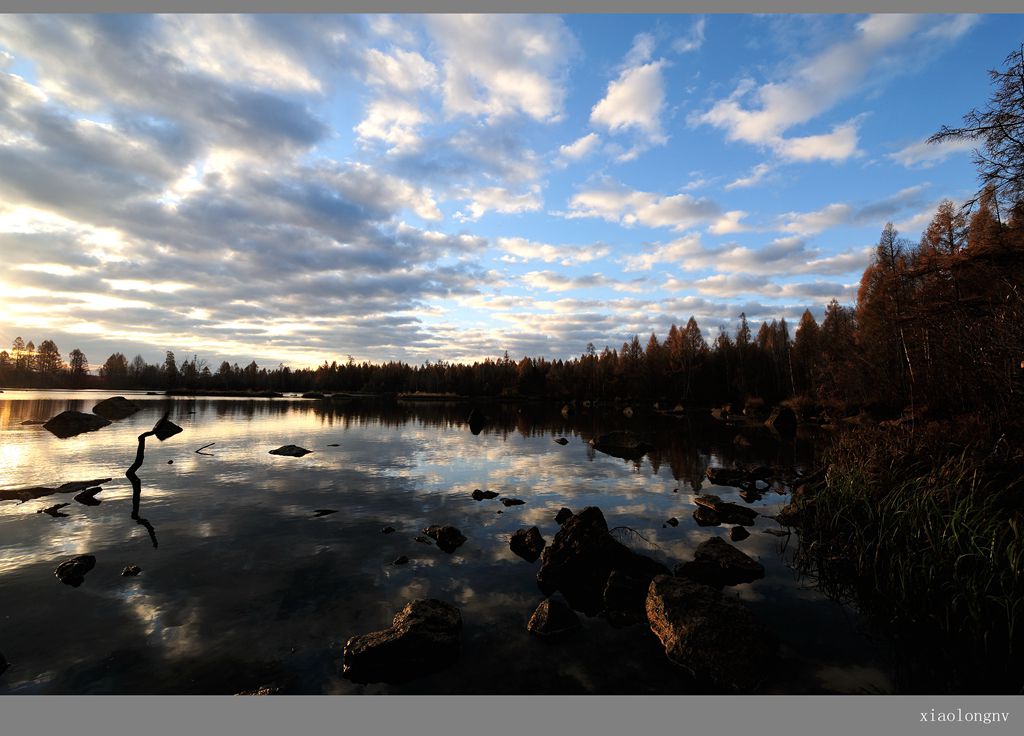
16	412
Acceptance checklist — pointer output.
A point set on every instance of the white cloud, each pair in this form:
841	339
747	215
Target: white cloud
729	223
634	101
812	223
498	65
402	71
693	40
498	199
581	147
925	155
675	251
393	121
953	27
616	203
755	177
522	249
812	88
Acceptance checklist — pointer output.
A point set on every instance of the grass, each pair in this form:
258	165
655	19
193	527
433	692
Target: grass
926	533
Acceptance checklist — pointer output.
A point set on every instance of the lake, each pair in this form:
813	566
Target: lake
243	585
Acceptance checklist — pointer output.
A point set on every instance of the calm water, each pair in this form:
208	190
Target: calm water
245	587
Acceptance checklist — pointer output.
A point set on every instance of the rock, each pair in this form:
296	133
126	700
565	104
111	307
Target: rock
165	428
54	510
477	421
782	420
116	407
567	411
741	441
527	543
706	517
718	563
738	534
130	571
792	514
553	619
423	638
400	560
313	395
334	444
27	494
71	423
511	502
626	445
88	496
562	441
479	495
582	556
625	596
448	537
388	530
628	412
28	422
729	513
727	476
563	516
714	638
673	521
423	540
291	451
72	572
324	512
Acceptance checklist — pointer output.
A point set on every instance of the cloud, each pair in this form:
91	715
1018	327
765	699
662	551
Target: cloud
393	121
402	71
500	65
552	281
925	155
616	203
762	115
672	252
634	101
836	214
693	40
521	249
580	148
729	223
499	199
755	177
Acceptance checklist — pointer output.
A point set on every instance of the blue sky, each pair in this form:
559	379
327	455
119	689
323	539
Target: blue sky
298	188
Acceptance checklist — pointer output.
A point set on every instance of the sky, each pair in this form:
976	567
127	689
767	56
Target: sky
299	188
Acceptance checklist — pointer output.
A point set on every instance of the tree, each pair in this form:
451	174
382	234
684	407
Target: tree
999	127
49	364
115	370
78	366
805	351
170	370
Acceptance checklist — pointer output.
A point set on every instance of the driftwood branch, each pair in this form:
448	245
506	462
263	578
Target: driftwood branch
200	450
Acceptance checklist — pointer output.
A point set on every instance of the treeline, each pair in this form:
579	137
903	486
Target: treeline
938	325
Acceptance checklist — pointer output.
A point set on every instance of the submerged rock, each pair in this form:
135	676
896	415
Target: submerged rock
563	516
388	530
165	428
705	516
401	560
715	638
88	496
625	597
448	538
27	494
738	533
71	423
291	451
116	407
423	638
729	513
423	540
553	619
477	421
562	441
479	495
728	476
29	422
72	572
130	571
54	510
582	556
626	445
672	521
511	502
527	543
718	563
324	512
782	420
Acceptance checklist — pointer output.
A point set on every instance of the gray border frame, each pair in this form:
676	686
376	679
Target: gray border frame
511	715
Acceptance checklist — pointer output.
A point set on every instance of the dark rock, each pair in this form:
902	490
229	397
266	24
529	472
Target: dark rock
165	428
582	556
706	517
782	420
741	441
563	516
552	619
448	537
562	441
477	421
291	451
131	571
71	423
28	422
626	445
673	521
479	495
738	534
718	563
400	560
423	638
511	502
387	530
334	444
761	472
625	596
313	395
727	476
88	496
424	540
324	512
72	572
715	638
527	543
27	494
116	407
729	513
54	510
792	514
